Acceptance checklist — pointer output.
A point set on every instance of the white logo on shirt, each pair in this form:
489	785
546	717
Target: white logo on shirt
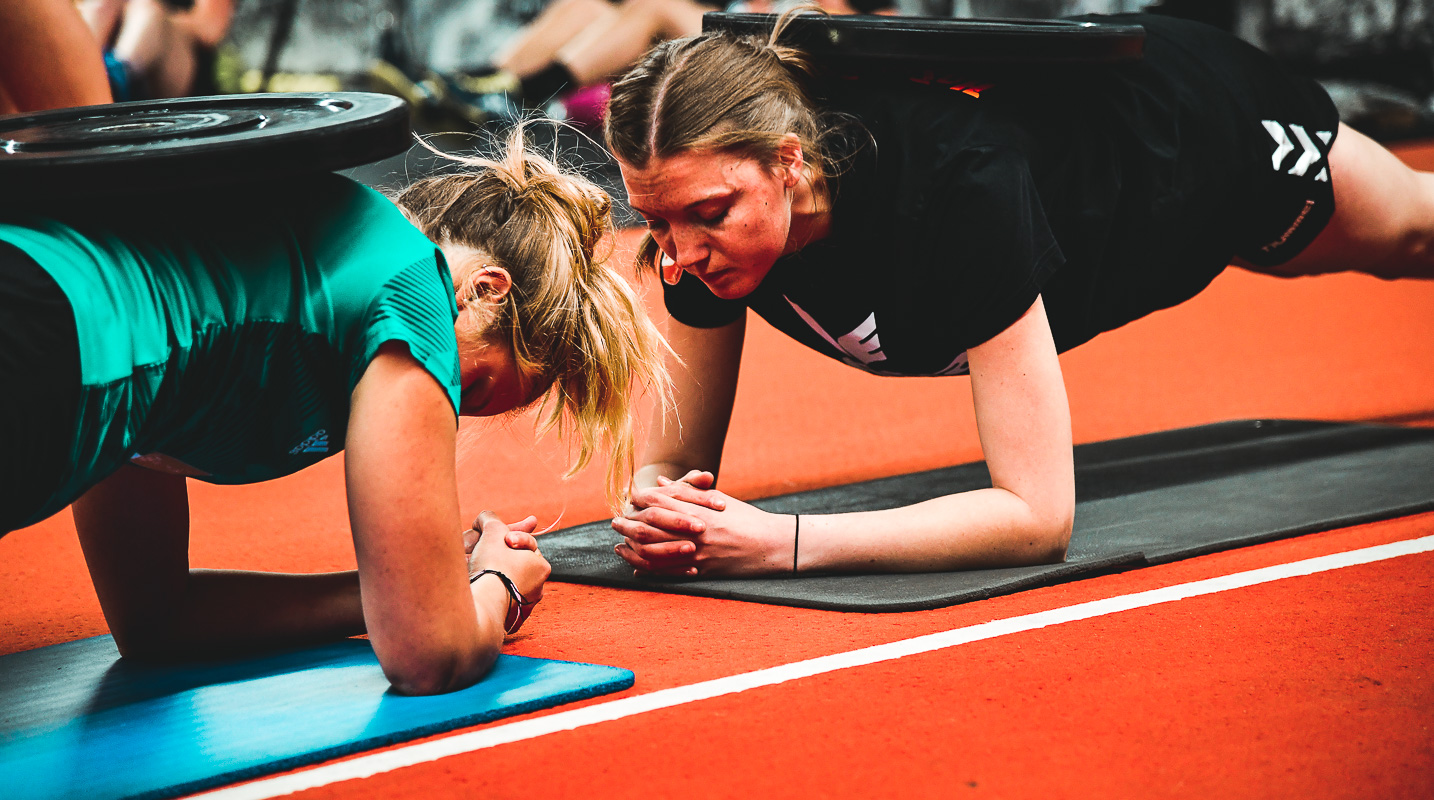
861	344
316	443
861	348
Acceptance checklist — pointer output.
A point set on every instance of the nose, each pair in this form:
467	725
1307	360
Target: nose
689	249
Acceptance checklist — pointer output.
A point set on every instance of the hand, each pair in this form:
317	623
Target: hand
672	536
514	552
695	487
515	537
661	525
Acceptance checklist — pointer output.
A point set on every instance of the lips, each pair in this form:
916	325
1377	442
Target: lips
728	284
712	276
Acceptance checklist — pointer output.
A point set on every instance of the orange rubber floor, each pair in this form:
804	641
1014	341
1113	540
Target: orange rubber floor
1308	686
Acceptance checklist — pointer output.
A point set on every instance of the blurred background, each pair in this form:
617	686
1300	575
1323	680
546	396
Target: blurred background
1376	57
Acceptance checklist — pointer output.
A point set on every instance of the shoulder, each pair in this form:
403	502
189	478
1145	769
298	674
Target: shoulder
898	111
355	233
334	200
905	140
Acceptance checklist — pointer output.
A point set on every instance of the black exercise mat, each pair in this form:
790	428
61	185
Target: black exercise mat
1142	500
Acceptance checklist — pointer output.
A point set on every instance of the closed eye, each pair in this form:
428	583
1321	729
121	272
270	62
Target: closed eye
468	391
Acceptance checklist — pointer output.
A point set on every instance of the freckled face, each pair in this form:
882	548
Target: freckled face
723	218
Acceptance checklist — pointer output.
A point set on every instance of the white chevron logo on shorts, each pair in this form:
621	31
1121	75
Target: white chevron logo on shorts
1310	152
1282	142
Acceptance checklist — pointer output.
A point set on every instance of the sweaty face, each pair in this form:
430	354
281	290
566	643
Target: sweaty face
723	218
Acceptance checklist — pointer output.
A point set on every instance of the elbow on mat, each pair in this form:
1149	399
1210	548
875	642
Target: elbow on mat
1047	540
436	671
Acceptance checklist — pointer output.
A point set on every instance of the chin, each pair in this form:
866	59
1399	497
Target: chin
735	283
734	290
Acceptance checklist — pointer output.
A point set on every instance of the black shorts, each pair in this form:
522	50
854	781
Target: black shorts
1293	193
1287	124
40	373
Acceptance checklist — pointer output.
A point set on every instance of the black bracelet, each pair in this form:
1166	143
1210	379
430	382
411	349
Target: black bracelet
514	596
796	540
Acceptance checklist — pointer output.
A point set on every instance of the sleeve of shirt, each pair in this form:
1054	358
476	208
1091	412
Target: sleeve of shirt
988	243
691	303
417	307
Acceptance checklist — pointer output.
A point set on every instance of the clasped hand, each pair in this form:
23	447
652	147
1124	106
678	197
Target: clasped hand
513	551
686	527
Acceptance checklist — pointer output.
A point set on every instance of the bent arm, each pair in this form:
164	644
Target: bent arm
693	430
432	631
134	530
1025	518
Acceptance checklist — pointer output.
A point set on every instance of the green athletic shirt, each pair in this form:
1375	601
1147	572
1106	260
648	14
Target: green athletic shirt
230	336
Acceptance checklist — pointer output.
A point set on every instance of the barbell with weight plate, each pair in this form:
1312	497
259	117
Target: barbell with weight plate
171	145
943	42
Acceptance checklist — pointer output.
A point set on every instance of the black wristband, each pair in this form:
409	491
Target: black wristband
514	596
796	541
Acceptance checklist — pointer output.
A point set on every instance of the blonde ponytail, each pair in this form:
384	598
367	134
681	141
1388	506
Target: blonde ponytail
572	321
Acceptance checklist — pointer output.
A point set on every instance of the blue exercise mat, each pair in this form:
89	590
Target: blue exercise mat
76	721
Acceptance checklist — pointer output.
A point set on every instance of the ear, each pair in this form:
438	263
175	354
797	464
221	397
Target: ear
790	160
487	284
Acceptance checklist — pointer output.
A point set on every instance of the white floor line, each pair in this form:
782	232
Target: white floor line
365	766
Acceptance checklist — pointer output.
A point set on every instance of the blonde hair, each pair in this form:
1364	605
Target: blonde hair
718	92
572	321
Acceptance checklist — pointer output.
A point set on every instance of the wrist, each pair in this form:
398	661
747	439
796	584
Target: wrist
491	599
646	477
777	555
518	605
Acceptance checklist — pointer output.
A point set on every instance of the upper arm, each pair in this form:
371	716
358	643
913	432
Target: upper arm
403	509
1024	418
704	386
134	530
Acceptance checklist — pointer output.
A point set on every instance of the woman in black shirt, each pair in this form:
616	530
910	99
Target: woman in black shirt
978	229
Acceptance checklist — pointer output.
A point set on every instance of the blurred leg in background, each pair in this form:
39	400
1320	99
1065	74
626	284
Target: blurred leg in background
48	59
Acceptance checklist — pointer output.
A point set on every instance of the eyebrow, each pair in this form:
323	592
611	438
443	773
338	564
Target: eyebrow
721	194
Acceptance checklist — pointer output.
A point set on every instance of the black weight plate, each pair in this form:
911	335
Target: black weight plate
173	145
937	41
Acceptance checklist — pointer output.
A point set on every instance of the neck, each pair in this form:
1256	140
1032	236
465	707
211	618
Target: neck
811	215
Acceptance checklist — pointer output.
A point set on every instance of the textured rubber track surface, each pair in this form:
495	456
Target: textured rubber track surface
1315	686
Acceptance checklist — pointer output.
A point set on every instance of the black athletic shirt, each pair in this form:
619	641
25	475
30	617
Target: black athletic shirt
1111	192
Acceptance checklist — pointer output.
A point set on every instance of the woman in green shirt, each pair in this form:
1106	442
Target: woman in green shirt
318	316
